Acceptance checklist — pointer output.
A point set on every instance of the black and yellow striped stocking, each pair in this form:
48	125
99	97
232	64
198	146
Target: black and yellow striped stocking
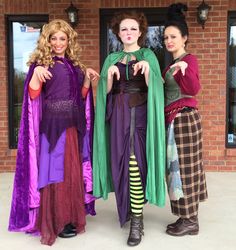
136	188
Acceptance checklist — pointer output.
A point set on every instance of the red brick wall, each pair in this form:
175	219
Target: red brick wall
209	45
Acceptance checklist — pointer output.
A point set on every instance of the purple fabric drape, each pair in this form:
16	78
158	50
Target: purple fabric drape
20	207
87	153
51	163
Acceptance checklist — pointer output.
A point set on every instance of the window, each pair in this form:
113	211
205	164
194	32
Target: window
22	35
156	18
231	82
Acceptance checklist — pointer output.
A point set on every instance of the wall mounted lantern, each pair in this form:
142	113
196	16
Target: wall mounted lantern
202	13
72	13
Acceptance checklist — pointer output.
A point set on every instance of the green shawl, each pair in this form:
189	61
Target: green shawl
155	138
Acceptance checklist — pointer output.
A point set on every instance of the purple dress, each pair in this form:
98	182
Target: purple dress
125	96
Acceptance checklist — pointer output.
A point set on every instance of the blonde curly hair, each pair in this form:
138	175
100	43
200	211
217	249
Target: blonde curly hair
42	55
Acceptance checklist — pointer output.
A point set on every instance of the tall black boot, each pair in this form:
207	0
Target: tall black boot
136	230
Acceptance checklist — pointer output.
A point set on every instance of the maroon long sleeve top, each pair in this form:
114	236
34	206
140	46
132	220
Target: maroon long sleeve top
189	85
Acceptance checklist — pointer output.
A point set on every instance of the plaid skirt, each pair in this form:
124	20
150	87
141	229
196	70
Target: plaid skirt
188	136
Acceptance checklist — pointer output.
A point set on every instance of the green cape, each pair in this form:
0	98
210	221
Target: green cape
155	140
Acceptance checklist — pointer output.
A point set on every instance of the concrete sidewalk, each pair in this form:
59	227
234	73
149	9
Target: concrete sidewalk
217	218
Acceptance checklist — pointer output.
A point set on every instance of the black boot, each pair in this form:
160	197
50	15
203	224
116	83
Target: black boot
136	230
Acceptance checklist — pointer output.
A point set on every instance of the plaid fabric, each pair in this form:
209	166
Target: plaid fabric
188	136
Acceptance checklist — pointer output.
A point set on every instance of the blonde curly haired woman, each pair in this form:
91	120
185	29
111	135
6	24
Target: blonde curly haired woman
52	189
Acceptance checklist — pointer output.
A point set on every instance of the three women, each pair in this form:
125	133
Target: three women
129	133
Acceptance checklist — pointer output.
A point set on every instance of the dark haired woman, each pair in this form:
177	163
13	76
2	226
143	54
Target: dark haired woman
129	135
185	174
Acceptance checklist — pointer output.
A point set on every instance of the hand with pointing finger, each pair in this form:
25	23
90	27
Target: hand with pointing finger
113	70
91	74
143	65
181	65
42	73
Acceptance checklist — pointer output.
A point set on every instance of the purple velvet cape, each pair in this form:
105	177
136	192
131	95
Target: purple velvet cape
26	197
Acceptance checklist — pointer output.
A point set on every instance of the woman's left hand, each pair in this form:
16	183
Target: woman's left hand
144	65
181	65
91	74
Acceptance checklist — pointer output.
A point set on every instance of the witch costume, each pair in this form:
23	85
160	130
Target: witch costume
186	179
129	122
53	179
